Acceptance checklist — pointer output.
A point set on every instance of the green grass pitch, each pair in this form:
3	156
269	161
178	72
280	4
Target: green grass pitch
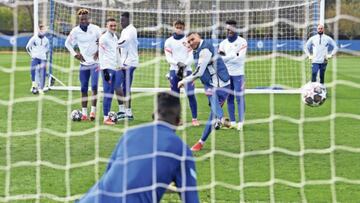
65	144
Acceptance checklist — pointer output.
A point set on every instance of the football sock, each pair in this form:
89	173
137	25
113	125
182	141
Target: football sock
93	109
122	108
128	112
202	142
84	111
106	117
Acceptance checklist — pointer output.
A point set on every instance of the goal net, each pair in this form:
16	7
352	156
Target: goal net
287	152
275	31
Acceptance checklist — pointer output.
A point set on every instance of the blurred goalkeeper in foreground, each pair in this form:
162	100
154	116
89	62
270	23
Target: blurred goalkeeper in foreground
319	44
179	57
147	159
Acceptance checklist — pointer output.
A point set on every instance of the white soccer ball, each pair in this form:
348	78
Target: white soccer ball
76	115
113	116
314	94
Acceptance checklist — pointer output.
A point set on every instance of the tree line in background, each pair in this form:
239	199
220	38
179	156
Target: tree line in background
347	29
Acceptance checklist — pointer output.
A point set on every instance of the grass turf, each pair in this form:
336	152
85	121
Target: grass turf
41	130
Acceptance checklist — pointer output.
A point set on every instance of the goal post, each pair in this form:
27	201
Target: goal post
258	20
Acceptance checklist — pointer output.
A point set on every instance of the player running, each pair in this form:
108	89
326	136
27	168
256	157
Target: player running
147	159
179	56
233	52
37	47
211	70
86	36
129	60
320	44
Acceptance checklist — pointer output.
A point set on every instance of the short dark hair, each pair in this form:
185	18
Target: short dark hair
231	22
190	33
179	22
110	20
168	106
82	11
125	14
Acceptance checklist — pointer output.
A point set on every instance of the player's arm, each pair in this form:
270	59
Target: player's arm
224	55
168	54
335	47
241	53
189	193
124	39
204	60
70	42
307	48
30	45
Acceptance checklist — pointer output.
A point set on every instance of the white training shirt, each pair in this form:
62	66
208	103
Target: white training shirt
38	47
129	47
203	63
177	51
235	53
320	47
108	50
86	41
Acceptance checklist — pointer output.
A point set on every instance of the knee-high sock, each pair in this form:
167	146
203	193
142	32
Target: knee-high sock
208	127
193	105
231	107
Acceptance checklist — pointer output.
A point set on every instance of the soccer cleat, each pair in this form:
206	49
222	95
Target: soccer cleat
120	116
34	90
108	122
130	117
217	124
226	122
92	116
240	126
197	147
84	117
195	122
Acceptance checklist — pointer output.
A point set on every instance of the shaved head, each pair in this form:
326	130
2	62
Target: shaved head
320	29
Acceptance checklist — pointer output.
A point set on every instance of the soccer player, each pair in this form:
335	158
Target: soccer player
179	56
111	74
129	60
320	44
86	36
233	52
211	70
147	159
37	47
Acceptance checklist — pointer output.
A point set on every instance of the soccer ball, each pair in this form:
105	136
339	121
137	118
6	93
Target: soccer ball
113	116
313	94
76	115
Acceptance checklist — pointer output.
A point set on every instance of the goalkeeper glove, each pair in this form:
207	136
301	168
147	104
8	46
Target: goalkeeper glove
106	75
181	68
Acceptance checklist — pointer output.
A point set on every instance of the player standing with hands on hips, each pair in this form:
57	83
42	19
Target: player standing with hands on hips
320	44
86	36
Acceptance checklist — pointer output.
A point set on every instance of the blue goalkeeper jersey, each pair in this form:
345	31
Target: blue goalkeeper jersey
145	161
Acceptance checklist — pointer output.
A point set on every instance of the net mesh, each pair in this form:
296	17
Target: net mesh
40	146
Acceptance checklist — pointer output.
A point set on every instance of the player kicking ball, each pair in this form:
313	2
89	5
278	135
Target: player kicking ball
179	56
86	36
111	74
214	76
37	47
147	159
